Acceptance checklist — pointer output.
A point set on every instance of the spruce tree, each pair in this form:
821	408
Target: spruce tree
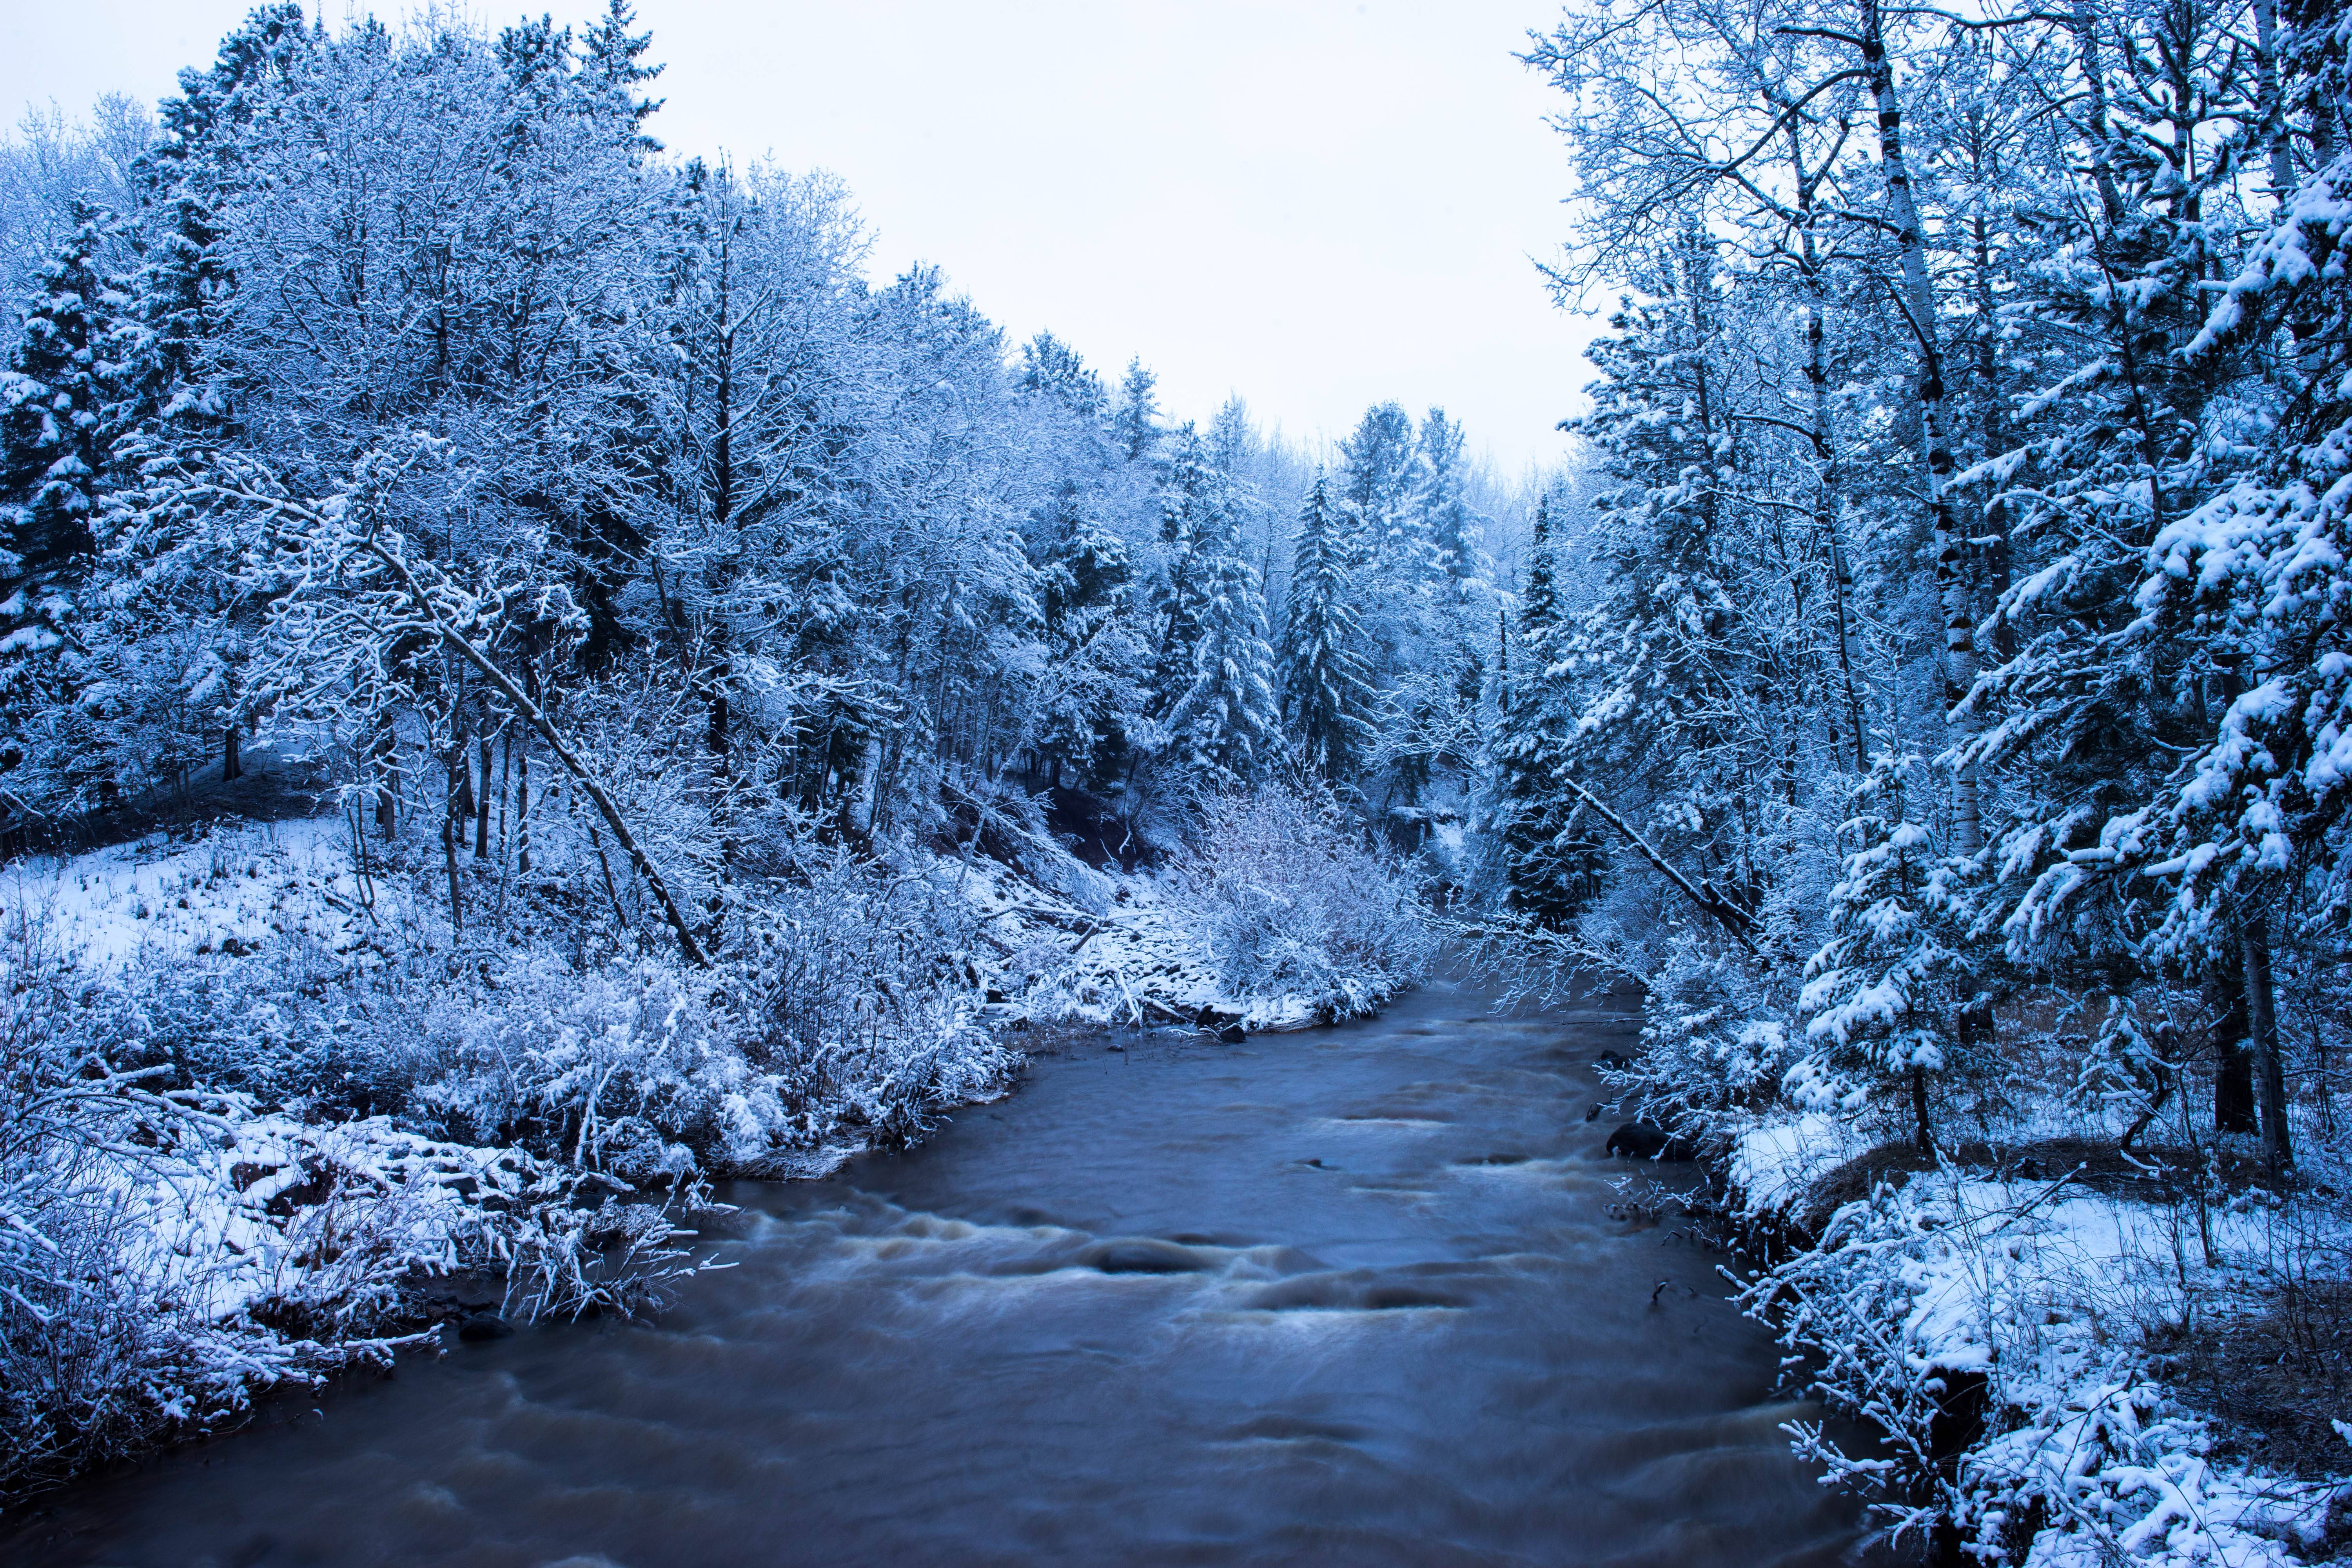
52	445
610	74
1377	482
1135	418
53	460
1446	518
1882	998
1225	727
1550	865
1327	694
1188	501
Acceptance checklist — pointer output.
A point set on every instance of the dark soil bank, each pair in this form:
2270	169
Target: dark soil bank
1347	1297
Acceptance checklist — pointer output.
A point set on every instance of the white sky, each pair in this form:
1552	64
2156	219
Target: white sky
1317	203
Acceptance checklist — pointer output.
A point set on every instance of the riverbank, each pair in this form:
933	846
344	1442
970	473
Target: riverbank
2071	1354
1344	1295
267	1085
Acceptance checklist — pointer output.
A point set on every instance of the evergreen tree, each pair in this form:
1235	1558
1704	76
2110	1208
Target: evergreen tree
610	73
1882	998
1446	518
1377	480
1051	368
1135	416
1086	585
1327	694
1549	864
54	400
1226	727
1192	502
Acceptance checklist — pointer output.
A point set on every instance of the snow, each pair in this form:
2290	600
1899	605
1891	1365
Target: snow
2047	1290
172	899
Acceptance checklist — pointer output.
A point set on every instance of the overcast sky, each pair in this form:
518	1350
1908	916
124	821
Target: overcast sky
1316	203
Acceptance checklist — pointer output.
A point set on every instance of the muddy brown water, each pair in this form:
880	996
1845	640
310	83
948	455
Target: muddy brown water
1347	1296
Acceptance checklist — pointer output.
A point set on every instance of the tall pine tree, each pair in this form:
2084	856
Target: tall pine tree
1549	864
1327	696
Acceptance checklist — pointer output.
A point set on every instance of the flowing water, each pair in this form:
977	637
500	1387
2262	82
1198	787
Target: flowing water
1349	1297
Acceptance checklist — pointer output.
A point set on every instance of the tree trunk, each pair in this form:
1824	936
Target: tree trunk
2274	121
482	806
449	836
2262	1027
457	808
522	811
387	773
1919	1109
2233	1066
1918	298
231	766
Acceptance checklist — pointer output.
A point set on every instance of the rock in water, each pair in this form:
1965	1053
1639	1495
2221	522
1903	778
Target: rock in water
1232	1035
1611	1061
1648	1141
483	1327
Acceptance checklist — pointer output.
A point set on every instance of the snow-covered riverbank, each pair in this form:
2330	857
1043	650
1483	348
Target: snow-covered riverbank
2014	1328
263	1098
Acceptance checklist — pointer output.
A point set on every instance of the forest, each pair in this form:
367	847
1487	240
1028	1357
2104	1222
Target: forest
531	684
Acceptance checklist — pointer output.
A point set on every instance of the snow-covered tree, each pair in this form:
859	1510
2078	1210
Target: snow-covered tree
1327	697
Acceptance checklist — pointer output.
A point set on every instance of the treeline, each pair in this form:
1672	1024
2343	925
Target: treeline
1954	657
408	389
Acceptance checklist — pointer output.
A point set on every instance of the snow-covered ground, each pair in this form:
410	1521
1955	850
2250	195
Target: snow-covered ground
167	898
2044	1294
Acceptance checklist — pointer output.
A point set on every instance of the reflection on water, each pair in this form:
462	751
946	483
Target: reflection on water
1346	1297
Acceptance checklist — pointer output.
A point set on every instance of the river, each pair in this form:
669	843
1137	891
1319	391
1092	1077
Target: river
1347	1296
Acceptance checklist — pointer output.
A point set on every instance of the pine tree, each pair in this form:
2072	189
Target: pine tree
1085	584
1327	694
1189	503
610	75
54	459
1050	368
1550	866
1881	997
52	442
1226	726
1377	480
1135	417
1447	519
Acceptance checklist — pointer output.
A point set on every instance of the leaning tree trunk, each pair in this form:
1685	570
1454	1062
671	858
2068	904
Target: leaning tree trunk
531	713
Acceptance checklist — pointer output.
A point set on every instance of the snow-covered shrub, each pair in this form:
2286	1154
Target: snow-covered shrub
1994	1338
1286	901
617	1070
1712	1036
168	1250
858	993
118	1318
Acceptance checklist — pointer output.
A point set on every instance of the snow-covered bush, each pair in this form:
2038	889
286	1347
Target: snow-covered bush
859	993
1713	1040
1993	1337
141	1289
1286	901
